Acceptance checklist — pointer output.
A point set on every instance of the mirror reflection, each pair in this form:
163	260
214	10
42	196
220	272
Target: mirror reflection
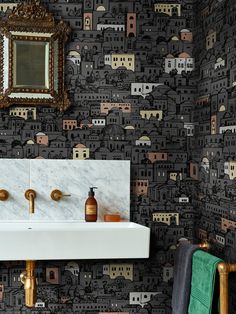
29	58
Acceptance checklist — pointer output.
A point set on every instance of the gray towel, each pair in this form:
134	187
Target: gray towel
182	278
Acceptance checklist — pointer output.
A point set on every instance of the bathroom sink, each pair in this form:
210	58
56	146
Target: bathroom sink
73	240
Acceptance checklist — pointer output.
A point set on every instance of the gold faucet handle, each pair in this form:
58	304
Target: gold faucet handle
3	195
30	195
57	195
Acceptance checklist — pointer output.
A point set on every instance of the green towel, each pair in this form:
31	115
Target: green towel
203	282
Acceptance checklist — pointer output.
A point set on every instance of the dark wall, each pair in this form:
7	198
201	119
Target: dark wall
215	115
154	130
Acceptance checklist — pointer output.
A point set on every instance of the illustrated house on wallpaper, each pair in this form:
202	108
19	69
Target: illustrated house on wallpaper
118	270
210	39
182	63
80	152
70	124
148	114
131	25
167	218
42	138
186	35
105	107
209	134
88	21
115	27
74	56
23	112
143	89
141	298
171	9
139	187
116	60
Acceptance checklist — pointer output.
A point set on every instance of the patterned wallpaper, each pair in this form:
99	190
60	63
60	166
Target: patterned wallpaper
214	159
137	94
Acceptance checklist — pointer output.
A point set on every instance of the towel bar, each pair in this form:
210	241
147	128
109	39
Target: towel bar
224	269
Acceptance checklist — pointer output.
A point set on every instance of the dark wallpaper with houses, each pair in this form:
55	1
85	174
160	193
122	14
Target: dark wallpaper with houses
152	82
214	158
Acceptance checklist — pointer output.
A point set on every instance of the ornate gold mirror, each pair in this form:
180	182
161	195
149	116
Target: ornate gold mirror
32	57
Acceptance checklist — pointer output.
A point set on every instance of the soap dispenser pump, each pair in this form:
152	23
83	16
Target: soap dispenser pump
91	207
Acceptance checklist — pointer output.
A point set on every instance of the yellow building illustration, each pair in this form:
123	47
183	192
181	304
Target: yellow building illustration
230	169
147	114
166	218
116	270
210	39
116	60
174	175
23	112
80	152
7	6
171	9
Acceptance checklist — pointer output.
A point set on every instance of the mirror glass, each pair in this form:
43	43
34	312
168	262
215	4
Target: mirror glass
29	58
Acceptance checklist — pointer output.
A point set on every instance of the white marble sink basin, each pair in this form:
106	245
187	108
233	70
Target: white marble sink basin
73	240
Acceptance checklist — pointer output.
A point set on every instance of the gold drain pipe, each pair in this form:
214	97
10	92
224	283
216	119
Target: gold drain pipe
30	283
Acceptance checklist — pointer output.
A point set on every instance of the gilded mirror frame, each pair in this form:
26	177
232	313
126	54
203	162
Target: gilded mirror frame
30	22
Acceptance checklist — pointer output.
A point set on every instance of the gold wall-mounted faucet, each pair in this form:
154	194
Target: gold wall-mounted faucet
30	195
3	195
57	195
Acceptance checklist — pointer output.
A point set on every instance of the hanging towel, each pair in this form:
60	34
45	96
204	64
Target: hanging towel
182	278
203	283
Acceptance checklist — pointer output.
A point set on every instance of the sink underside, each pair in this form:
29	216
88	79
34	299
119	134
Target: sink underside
74	240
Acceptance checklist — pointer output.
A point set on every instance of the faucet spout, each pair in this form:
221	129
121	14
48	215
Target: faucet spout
30	195
30	283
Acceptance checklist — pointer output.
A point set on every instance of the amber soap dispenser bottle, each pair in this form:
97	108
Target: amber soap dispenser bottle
91	207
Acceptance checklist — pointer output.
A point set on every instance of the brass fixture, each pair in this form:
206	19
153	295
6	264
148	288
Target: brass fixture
30	195
57	195
224	270
204	245
30	283
3	195
28	26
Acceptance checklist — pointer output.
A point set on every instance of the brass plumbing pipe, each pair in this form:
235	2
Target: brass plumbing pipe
30	283
224	270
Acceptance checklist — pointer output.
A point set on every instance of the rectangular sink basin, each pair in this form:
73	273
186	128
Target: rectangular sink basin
73	240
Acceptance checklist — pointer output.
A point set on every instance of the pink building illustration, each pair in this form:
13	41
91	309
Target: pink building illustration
156	156
131	25
69	124
186	35
88	21
42	138
139	187
52	275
